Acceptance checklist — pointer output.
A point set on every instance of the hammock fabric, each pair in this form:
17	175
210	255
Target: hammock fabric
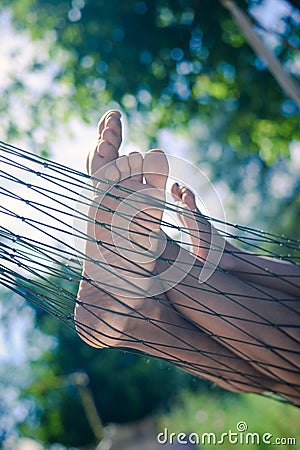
46	204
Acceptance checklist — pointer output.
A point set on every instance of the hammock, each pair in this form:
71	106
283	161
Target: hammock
48	203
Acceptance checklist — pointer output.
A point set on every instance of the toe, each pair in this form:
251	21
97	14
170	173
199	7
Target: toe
175	191
114	123
103	154
111	130
189	199
135	160
109	140
112	114
156	168
111	137
123	166
112	173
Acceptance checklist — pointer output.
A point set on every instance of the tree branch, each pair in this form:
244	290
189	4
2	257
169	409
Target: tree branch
285	81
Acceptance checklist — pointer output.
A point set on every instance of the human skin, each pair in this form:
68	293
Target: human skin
191	327
259	317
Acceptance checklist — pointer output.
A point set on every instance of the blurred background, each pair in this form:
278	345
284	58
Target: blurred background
186	80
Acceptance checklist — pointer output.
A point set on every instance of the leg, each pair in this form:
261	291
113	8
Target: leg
279	275
123	318
253	324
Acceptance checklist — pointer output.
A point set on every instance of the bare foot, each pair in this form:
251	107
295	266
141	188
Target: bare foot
123	239
199	228
123	243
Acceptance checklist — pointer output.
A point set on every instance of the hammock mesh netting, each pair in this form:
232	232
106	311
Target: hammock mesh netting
44	207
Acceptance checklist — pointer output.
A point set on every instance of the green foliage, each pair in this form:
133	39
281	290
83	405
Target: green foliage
180	64
20	345
176	60
125	386
219	413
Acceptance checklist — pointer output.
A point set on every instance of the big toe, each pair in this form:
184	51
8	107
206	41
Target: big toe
175	191
156	168
109	141
110	130
111	114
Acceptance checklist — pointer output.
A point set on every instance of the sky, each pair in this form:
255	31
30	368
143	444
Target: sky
72	144
74	141
71	150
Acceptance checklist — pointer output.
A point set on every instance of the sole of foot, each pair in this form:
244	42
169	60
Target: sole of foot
123	239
